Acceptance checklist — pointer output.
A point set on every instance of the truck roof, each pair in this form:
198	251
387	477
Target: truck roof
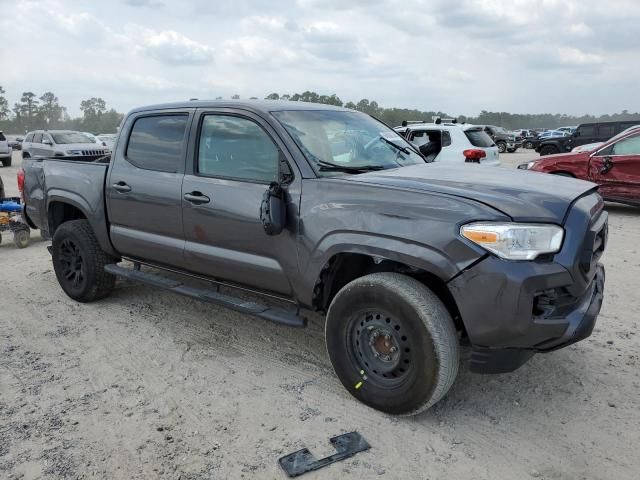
263	106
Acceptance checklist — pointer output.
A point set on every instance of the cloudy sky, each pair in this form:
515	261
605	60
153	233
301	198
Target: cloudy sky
525	56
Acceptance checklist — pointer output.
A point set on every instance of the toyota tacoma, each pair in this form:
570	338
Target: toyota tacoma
320	208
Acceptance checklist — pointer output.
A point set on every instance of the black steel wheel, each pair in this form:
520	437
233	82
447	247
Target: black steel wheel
79	262
528	145
392	343
381	348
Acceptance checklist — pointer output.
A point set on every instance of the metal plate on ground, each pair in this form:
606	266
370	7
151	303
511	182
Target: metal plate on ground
302	461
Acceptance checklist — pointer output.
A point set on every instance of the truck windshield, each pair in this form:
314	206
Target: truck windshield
70	137
346	142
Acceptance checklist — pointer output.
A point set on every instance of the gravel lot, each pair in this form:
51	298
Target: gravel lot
146	384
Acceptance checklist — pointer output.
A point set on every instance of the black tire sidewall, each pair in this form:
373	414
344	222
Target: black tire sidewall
421	382
70	230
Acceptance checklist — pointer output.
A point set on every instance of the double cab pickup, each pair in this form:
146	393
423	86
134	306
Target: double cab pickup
320	208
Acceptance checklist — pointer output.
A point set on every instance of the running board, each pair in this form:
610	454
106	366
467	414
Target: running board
274	314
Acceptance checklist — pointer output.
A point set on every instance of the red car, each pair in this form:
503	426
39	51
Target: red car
614	166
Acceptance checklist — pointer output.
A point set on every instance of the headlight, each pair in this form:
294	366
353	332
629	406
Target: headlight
515	241
531	164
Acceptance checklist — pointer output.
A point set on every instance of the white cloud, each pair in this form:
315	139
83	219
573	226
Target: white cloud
172	47
576	57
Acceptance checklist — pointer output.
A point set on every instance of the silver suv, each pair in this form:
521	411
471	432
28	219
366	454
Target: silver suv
5	151
60	143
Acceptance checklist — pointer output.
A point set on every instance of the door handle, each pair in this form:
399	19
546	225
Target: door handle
197	198
121	187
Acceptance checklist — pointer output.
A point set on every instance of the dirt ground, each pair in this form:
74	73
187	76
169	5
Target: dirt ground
146	384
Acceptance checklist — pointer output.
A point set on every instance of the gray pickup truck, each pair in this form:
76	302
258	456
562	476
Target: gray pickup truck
313	207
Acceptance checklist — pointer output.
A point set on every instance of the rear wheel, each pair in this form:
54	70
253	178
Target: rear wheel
21	237
79	262
392	343
548	150
6	162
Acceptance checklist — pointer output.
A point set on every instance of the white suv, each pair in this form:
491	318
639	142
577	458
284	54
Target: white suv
452	142
60	143
5	151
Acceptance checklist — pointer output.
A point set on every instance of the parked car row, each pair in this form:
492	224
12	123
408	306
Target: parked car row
614	165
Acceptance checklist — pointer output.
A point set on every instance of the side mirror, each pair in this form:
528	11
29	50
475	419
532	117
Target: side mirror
273	209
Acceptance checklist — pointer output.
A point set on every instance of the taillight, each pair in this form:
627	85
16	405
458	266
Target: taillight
473	155
20	180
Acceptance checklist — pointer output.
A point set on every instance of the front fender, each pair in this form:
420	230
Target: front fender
420	256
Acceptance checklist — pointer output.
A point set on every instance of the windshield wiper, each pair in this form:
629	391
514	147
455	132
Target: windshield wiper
404	150
328	166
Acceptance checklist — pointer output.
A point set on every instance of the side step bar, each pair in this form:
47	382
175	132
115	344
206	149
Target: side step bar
274	314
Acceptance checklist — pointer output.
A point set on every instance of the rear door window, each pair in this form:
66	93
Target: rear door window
37	138
606	131
478	138
157	142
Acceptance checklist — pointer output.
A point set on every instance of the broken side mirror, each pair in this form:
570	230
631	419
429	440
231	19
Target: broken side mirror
273	209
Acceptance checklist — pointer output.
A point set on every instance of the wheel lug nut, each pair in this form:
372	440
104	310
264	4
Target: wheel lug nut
387	337
394	349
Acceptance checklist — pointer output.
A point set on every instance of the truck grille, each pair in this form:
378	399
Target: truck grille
93	153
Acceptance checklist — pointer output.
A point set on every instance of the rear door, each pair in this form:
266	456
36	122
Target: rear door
616	168
232	161
144	187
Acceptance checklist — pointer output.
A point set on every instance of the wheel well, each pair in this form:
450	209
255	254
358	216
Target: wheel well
346	267
60	212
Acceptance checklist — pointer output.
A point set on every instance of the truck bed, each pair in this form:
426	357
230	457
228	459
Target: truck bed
78	181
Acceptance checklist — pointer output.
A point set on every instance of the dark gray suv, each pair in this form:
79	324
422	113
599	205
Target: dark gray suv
313	207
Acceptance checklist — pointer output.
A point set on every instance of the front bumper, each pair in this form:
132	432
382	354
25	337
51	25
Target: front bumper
4	155
512	310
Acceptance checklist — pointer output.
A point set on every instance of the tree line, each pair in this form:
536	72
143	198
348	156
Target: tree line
34	112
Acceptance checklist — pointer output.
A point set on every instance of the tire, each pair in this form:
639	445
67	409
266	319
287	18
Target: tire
374	314
511	150
79	262
6	162
528	145
548	150
21	238
502	147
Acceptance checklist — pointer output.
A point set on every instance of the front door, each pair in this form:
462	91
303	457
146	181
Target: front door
616	169
235	158
144	188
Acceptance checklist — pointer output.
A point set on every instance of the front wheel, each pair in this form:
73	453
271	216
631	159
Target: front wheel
528	145
79	262
502	147
548	150
21	237
392	343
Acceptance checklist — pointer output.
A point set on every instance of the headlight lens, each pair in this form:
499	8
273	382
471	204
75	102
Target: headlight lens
531	164
515	241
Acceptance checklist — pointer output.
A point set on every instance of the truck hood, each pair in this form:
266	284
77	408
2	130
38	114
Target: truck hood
523	196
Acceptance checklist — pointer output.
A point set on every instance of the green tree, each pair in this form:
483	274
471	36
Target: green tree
50	109
4	105
235	97
92	111
272	96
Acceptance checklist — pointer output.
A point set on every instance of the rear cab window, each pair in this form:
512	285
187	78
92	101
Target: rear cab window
587	130
479	138
156	142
